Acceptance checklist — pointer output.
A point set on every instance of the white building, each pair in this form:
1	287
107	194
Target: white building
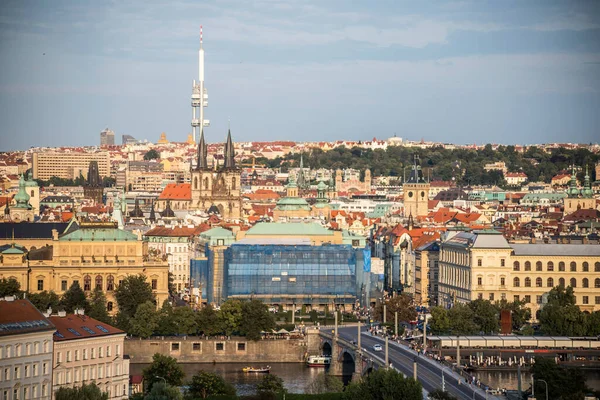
87	350
25	351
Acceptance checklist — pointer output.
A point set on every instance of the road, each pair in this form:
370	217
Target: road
429	372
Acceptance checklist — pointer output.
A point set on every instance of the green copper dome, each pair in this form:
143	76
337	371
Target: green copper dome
292	204
22	198
30	182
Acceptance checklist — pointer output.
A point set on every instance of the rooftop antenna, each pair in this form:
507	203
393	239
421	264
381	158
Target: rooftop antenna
200	36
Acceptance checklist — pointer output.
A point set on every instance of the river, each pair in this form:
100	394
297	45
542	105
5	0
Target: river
297	377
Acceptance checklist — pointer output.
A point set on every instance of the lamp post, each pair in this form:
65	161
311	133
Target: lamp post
443	380
545	383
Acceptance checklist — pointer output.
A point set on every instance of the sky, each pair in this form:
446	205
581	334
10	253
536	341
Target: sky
509	72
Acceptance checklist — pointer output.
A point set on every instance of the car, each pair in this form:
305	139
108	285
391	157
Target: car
377	347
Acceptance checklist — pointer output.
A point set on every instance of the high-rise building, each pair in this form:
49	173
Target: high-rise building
107	137
68	165
128	139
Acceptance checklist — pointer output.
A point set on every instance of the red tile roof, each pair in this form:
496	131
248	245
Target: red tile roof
73	327
20	316
177	231
176	191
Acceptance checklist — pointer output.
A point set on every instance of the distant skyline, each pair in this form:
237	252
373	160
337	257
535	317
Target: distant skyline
508	72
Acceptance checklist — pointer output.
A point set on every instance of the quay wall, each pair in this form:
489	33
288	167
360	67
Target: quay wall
236	349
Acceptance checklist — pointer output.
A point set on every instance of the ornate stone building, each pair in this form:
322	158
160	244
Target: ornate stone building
352	184
21	210
579	199
93	189
416	193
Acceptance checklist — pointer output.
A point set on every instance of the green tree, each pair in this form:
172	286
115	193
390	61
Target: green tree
562	382
166	321
205	384
98	307
162	391
208	321
44	300
439	394
325	383
163	367
256	318
133	291
85	392
401	304
185	320
9	287
385	384
145	321
230	315
439	322
151	155
486	316
74	298
172	287
462	320
270	384
560	316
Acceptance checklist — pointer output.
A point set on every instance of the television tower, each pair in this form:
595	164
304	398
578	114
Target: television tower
199	97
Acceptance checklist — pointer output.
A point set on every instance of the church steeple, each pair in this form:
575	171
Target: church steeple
202	153
229	152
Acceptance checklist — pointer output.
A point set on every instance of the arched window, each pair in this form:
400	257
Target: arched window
573	266
597	283
550	266
110	283
527	282
527	266
550	282
99	282
516	266
516	282
233	183
585	266
573	282
561	266
32	194
109	306
538	282
585	283
87	283
597	267
538	266
561	282
205	183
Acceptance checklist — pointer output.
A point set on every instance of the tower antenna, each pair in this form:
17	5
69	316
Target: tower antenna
200	36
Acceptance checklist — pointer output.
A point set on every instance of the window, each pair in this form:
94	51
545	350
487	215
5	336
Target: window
99	282
118	350
585	300
516	282
108	351
241	346
527	298
174	346
35	370
538	299
597	300
76	355
573	282
516	266
87	283
63	285
585	283
220	346
110	283
154	284
491	296
597	267
109	306
196	346
527	282
573	266
561	282
17	372
93	353
68	355
538	266
527	266
479	281
40	284
85	354
479	262
27	371
550	282
44	368
502	281
502	262
561	266
480	296
550	266
585	266
538	282
100	353
516	297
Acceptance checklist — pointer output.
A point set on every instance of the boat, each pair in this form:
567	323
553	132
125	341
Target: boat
318	361
262	370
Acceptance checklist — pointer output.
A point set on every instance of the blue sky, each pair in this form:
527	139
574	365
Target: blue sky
456	71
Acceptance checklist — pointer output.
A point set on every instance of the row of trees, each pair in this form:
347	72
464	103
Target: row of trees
466	166
560	316
107	181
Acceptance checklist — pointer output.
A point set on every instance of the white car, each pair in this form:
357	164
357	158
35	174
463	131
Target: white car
377	347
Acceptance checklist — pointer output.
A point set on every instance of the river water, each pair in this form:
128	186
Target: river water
297	377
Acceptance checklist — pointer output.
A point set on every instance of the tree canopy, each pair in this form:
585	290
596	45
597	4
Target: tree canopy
270	384
133	291
85	392
563	383
561	317
151	155
9	287
163	367
74	298
401	304
325	383
384	384
205	384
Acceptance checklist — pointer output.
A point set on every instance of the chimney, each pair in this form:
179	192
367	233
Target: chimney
9	298
62	314
79	311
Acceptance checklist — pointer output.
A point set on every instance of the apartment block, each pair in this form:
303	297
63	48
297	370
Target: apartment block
68	165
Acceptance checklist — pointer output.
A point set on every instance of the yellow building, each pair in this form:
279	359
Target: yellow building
68	165
416	193
579	199
95	255
483	265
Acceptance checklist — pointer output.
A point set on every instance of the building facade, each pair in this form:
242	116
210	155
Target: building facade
68	165
416	193
107	137
25	351
87	350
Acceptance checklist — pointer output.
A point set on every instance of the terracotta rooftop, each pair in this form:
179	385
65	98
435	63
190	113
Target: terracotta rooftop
177	231
73	326
20	316
176	191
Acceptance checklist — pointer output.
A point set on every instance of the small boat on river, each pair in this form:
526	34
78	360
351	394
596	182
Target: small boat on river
318	361
260	370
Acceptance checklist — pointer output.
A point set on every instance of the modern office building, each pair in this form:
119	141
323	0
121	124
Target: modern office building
25	351
87	350
68	165
107	138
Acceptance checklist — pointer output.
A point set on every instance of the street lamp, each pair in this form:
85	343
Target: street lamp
545	383
160	377
443	380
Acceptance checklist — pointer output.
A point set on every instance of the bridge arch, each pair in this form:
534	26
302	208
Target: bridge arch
326	348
